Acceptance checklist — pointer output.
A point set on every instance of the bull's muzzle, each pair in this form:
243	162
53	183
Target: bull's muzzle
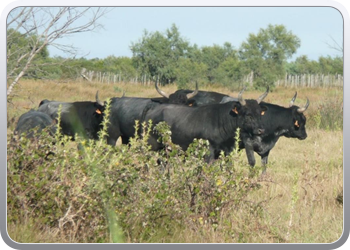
302	137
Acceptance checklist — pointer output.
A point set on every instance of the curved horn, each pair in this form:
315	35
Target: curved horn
98	100
293	99
240	98
123	94
190	95
301	110
161	92
263	95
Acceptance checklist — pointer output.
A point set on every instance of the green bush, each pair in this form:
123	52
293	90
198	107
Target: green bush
101	193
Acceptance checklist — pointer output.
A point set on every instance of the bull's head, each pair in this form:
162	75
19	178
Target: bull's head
260	99
100	106
298	122
179	97
250	112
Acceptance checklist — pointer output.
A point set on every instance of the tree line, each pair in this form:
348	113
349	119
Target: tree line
168	57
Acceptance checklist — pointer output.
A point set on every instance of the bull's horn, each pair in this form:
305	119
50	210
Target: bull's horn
123	94
301	110
293	99
161	92
262	97
240	98
191	95
98	100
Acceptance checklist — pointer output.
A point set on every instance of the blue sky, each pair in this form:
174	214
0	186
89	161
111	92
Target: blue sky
205	26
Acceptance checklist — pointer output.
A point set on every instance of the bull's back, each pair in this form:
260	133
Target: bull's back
32	120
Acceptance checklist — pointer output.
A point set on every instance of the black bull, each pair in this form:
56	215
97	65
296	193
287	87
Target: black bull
126	110
34	120
82	118
216	123
278	121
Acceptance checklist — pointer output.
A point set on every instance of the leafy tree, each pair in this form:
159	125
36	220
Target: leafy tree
213	56
119	65
329	65
189	71
230	73
266	53
18	49
324	65
157	53
302	65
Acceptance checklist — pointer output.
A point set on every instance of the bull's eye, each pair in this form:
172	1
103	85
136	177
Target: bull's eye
98	111
262	112
296	124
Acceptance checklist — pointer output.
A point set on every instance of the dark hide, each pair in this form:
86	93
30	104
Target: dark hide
34	119
82	118
216	123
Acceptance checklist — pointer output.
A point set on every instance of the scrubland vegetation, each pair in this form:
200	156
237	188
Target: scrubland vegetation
99	193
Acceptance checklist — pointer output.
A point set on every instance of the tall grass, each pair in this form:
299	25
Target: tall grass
68	196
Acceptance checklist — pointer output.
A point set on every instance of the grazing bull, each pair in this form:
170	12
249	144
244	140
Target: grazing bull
279	121
82	118
34	120
216	123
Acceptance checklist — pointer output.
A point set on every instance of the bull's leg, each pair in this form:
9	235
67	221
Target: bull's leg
125	140
250	154
111	141
264	159
209	159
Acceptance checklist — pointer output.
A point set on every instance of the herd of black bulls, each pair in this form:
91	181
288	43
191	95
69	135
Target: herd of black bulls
190	114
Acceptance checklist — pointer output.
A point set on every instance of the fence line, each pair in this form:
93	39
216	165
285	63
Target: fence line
107	77
305	80
311	81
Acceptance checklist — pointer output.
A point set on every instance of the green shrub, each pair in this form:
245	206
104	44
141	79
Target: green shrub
101	193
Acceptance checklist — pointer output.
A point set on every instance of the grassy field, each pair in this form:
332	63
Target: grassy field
298	195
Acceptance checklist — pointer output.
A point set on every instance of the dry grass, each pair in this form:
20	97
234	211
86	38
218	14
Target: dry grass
317	163
30	232
28	94
308	172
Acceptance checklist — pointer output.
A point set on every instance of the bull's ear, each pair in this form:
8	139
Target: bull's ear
191	103
236	107
98	111
235	110
296	124
263	109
